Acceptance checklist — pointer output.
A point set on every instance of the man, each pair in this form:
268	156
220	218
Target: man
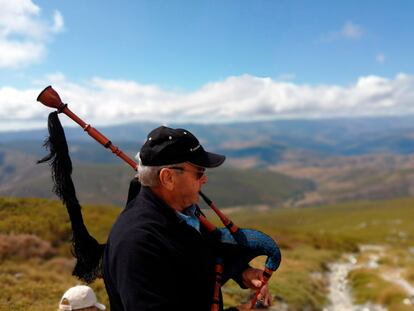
158	257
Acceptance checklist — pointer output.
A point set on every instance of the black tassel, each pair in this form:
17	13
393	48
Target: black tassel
134	189
85	248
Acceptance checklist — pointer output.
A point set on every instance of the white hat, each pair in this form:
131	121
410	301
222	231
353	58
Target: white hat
80	296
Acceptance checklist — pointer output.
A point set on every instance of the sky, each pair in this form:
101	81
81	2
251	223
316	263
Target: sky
205	61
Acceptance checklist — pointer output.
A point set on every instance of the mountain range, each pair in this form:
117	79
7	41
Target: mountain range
311	161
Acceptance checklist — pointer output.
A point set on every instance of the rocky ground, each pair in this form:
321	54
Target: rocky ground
340	297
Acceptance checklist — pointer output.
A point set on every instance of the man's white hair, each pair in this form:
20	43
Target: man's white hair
149	175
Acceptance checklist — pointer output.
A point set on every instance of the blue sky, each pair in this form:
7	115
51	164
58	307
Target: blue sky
206	61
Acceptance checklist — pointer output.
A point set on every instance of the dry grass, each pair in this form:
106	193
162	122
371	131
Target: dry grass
24	246
37	285
309	238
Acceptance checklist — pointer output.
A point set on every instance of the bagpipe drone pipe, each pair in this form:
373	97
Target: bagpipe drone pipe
88	251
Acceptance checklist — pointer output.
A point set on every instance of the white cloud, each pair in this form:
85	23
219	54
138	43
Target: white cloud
349	30
58	22
380	58
24	33
13	53
246	97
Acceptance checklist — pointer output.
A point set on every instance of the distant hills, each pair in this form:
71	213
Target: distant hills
345	136
107	183
284	162
339	179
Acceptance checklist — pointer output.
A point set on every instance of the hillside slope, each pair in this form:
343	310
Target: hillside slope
339	179
36	264
108	183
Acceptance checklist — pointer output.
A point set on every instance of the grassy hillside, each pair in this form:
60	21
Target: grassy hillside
354	222
313	237
339	179
108	183
232	187
35	260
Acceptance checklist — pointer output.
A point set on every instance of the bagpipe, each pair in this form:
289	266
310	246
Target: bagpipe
89	252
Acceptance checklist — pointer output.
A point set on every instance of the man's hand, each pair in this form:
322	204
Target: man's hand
252	278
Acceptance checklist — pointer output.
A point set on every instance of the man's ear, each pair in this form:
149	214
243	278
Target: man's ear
167	179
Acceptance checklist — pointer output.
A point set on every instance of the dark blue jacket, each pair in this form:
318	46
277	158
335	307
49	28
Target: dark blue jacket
155	261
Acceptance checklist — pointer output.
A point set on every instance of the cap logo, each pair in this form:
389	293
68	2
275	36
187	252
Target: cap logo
195	148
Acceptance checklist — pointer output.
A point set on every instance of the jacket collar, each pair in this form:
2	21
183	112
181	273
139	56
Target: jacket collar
158	204
147	194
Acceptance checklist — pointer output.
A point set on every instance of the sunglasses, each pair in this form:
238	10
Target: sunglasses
198	173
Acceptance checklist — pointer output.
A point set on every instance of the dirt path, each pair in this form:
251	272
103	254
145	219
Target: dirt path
339	297
339	292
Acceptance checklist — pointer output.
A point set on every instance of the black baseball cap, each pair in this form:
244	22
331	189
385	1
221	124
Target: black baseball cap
165	146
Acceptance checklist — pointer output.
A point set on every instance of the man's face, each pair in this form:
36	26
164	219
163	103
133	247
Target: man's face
189	179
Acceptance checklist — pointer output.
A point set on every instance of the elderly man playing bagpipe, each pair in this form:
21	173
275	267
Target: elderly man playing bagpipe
158	256
162	252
